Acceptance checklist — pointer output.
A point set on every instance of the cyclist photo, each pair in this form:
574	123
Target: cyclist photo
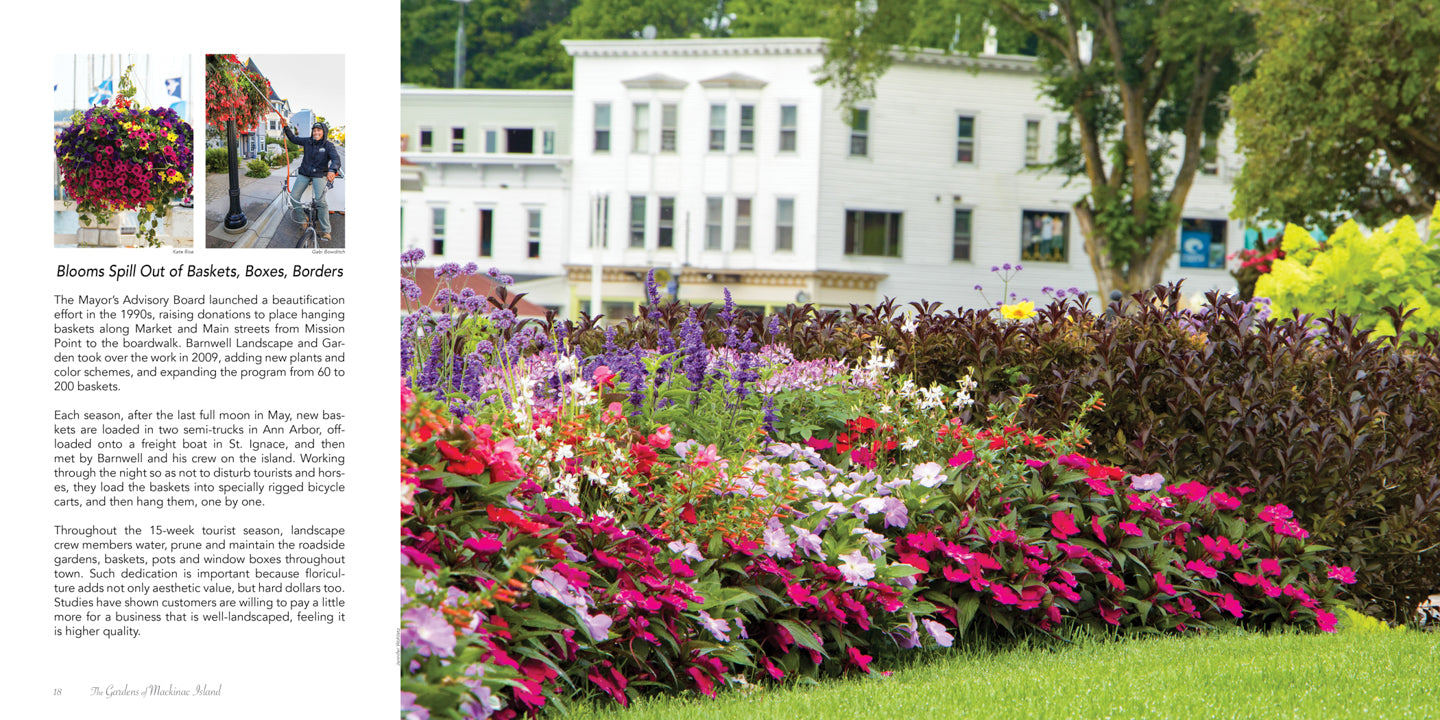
319	166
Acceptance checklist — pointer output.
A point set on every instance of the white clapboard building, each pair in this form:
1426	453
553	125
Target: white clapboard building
721	163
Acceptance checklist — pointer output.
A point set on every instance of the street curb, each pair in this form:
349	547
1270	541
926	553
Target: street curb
264	226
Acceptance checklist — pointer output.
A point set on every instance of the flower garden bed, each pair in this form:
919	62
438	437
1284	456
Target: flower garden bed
583	516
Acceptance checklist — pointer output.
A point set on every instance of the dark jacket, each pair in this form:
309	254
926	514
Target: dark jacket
320	157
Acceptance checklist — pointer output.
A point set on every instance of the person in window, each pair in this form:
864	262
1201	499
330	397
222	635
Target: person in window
321	160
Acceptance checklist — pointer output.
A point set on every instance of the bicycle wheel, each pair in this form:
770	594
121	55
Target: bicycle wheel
308	239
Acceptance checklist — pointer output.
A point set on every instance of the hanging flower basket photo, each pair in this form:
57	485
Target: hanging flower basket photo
121	157
234	92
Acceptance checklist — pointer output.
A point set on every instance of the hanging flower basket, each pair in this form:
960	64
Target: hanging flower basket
120	157
234	92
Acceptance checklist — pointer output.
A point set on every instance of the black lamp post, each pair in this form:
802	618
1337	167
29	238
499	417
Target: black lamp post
236	220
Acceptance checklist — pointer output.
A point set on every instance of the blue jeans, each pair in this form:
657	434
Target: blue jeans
317	192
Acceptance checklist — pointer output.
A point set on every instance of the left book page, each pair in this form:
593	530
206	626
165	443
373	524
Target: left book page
202	362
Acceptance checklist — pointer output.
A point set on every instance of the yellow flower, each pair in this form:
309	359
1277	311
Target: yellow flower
170	136
1018	311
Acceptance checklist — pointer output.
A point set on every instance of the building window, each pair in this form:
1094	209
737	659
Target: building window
788	126
860	132
714	219
872	233
637	221
487	233
747	128
520	141
1044	236
965	140
1032	142
640	143
457	140
492	141
666	229
669	127
427	138
1209	157
961	248
1202	243
602	127
785	224
437	231
533	235
548	142
742	224
717	128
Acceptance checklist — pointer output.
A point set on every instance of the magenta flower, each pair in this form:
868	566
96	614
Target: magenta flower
1343	573
1063	525
1270	566
1228	603
962	458
1073	461
861	660
1290	528
1004	595
1276	513
1099	532
1192	491
1223	501
1037	464
1202	568
1164	584
1130	528
1326	620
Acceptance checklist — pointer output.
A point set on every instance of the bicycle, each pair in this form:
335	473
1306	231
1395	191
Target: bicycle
308	216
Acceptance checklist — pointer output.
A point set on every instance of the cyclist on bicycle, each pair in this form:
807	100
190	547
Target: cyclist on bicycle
321	160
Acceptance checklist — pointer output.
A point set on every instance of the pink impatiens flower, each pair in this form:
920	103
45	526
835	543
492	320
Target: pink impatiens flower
1275	513
1201	568
1192	491
1270	566
1343	573
1326	620
1063	525
1130	528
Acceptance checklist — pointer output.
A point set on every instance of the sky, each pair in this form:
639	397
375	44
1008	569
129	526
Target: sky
315	82
77	75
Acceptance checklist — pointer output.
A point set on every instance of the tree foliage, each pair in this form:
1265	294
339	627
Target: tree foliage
1145	83
1342	118
508	43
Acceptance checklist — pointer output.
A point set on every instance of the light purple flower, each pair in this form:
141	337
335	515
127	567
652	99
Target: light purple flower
409	710
426	630
1150	481
928	474
718	628
875	542
906	636
598	625
937	631
777	541
688	550
808	542
896	514
855	568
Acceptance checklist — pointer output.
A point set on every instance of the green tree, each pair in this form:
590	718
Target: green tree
1342	118
508	43
1143	81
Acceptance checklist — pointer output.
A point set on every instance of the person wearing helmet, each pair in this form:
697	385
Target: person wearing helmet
320	161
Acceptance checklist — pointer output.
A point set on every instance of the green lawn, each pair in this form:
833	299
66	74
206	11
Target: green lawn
1232	675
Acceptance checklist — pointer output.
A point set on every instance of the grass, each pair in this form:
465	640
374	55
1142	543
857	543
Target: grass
1224	675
